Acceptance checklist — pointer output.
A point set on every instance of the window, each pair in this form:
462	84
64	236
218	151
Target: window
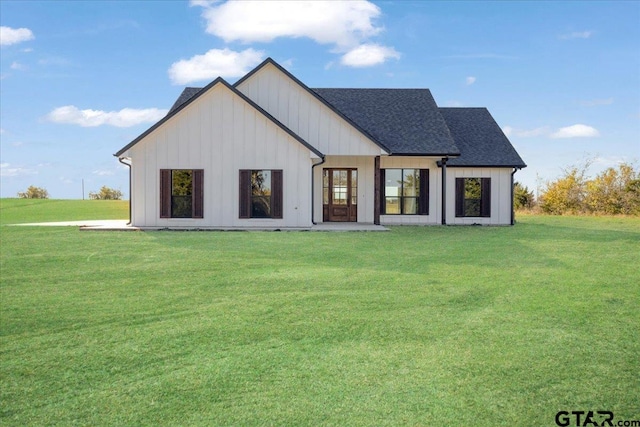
405	191
473	197
260	194
181	194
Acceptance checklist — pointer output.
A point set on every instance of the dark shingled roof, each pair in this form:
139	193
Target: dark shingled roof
407	121
480	139
186	95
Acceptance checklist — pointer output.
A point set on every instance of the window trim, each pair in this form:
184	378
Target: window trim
245	194
423	193
485	197
197	193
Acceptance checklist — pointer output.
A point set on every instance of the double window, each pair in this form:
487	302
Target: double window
405	191
473	197
181	194
260	194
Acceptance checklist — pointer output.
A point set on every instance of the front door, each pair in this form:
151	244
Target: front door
339	195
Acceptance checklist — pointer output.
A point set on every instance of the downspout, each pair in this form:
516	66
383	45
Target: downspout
513	209
120	159
444	190
312	187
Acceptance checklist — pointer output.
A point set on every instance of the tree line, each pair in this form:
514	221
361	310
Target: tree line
105	193
615	191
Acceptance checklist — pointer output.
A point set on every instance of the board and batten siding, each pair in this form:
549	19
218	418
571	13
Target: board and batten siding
305	115
500	195
220	133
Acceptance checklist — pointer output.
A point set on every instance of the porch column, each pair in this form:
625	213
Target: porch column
444	191
376	190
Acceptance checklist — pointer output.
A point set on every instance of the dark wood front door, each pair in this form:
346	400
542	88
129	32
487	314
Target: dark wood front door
339	195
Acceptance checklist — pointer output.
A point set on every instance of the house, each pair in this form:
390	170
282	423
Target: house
269	152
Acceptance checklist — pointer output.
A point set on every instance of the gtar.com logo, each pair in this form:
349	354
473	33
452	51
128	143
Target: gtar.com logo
584	418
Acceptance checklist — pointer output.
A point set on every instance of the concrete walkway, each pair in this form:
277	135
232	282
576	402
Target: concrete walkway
121	225
90	223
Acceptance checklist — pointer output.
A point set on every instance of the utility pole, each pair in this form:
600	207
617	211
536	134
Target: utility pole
82	188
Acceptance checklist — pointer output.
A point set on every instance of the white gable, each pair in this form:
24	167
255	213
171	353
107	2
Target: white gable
301	112
220	133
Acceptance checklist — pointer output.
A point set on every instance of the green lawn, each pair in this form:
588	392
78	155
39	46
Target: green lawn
482	326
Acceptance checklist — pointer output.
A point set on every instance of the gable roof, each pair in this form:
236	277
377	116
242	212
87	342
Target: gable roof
480	139
405	120
400	121
316	96
189	95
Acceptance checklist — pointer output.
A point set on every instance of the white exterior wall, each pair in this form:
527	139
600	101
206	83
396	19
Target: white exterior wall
500	195
220	133
301	112
435	190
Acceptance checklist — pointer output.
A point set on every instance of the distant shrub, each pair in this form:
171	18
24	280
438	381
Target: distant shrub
522	197
106	193
615	191
34	192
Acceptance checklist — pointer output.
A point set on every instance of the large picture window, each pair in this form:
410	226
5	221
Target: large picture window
181	194
260	193
405	191
473	197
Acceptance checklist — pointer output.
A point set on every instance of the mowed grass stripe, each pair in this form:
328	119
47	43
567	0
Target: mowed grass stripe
435	325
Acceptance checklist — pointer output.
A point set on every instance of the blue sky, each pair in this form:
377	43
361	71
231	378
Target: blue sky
81	79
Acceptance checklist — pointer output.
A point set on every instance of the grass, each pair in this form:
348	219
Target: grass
418	326
17	211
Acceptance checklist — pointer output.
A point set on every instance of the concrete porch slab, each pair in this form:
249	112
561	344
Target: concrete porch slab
121	225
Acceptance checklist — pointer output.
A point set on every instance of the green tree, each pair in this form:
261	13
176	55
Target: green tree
522	197
106	193
34	192
567	193
615	191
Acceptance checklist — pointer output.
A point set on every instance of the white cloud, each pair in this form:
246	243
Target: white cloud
54	60
575	131
576	35
470	80
367	55
15	65
343	23
346	25
609	161
214	63
103	172
126	117
596	102
9	36
2	131
6	170
526	133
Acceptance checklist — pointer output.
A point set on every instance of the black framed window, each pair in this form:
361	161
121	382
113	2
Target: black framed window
260	193
473	197
181	194
405	191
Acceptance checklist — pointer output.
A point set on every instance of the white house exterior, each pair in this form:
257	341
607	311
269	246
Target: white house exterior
269	152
